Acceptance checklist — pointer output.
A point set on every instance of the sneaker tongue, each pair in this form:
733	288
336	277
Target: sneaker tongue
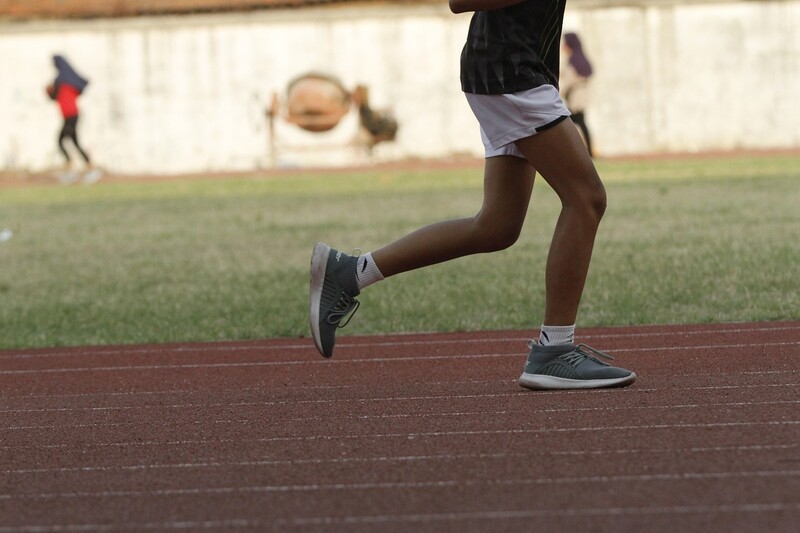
588	350
347	276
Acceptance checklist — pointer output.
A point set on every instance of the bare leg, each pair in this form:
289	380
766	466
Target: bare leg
507	186
64	134
563	161
74	136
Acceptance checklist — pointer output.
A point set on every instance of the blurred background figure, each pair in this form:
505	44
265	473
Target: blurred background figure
65	90
576	71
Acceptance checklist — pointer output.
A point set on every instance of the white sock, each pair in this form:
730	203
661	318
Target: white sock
549	335
367	271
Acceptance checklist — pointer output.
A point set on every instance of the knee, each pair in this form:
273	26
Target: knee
494	236
598	203
592	202
505	239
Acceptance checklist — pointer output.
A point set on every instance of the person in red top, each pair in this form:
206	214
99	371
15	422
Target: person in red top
65	90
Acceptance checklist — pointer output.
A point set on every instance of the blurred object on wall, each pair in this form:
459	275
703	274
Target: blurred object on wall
380	125
316	102
329	115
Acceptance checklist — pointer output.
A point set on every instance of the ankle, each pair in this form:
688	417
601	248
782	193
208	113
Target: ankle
367	271
552	335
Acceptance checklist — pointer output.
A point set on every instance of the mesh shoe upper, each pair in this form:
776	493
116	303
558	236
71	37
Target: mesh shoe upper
338	289
569	361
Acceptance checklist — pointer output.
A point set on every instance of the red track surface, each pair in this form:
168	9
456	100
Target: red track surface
404	433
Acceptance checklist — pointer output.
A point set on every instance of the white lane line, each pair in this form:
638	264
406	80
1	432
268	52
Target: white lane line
523	409
415	358
447	457
742	508
523	395
384	416
248	364
265	525
227	348
394	485
137	526
410	436
503	382
265	403
203	392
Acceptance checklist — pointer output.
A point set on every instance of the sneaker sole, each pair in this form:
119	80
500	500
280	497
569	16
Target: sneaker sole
92	177
319	264
542	382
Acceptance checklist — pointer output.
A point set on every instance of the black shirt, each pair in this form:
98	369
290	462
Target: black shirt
513	49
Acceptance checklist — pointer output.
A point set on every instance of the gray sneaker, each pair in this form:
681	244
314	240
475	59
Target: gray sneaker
332	297
566	366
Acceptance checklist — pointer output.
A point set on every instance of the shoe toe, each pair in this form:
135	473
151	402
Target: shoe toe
589	369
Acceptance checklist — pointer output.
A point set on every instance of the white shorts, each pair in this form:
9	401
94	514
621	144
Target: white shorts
506	118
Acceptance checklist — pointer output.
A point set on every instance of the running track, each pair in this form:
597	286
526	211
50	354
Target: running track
423	432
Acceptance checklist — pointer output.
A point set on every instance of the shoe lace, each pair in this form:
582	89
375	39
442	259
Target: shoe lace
582	351
343	311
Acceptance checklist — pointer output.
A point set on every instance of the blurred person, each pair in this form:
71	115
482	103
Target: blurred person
509	74
576	72
65	90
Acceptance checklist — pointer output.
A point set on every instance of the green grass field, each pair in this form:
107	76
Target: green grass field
683	241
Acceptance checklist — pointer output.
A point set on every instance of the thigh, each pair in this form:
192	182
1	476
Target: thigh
68	129
560	156
507	187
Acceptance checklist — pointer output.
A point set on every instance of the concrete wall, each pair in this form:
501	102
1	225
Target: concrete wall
187	94
695	76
